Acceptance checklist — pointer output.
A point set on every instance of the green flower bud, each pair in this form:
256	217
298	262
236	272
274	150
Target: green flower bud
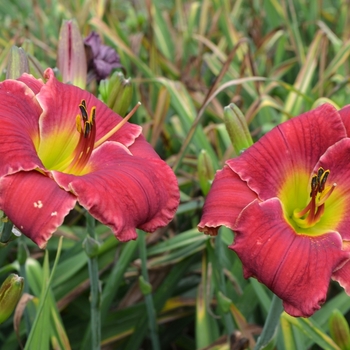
205	171
146	287
116	92
71	58
237	128
91	247
17	63
6	231
10	293
339	330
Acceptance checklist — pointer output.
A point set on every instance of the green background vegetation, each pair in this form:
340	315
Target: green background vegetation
187	60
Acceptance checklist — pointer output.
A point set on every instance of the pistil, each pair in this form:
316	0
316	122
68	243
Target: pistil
117	127
314	210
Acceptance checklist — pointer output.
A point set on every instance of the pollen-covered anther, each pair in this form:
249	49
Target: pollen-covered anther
319	194
85	121
85	124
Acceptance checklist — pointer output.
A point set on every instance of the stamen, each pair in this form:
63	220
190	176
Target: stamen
320	172
87	129
314	210
322	181
318	215
325	195
314	185
300	214
78	123
117	127
83	110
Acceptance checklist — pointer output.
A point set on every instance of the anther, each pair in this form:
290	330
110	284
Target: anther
320	172
83	110
314	210
314	185
323	181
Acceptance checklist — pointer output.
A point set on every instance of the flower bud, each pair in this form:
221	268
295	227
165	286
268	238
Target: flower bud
205	171
102	59
6	230
71	58
10	293
237	128
339	330
17	63
91	247
116	92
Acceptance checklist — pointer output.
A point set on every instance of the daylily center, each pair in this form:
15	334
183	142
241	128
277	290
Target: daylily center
312	213
71	153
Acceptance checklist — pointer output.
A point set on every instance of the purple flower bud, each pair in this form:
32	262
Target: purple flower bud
102	59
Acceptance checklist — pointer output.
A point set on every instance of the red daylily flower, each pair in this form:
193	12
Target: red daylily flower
59	146
287	199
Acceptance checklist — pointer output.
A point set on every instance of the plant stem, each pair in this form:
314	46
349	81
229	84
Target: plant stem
95	292
22	249
219	271
110	289
271	324
152	321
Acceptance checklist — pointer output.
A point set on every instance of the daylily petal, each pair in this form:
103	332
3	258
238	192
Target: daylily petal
35	204
34	84
143	149
345	115
342	275
297	268
289	148
60	103
124	191
336	216
226	199
19	116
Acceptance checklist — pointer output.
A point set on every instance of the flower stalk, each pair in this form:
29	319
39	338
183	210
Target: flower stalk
144	281
22	256
95	289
